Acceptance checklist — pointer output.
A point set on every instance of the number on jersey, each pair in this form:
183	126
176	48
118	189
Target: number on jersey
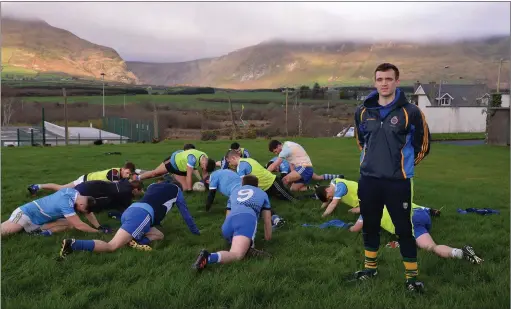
244	195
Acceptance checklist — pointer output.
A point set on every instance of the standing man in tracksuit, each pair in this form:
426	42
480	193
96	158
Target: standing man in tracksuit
393	137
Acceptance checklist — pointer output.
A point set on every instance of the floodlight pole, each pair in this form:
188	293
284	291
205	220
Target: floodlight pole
103	79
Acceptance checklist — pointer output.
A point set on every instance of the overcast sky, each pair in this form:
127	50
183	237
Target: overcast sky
171	32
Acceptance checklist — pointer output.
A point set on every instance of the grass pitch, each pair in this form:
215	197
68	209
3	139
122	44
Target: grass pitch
308	264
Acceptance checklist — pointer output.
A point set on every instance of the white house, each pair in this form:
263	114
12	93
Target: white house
455	108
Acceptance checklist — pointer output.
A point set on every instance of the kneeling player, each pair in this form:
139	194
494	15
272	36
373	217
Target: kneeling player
285	168
182	165
236	147
138	221
53	213
338	190
244	207
301	171
113	174
421	222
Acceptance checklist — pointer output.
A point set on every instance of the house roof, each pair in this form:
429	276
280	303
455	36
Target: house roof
462	95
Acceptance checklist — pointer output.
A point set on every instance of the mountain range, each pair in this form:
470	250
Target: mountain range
38	46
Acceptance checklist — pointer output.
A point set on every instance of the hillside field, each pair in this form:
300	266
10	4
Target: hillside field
308	264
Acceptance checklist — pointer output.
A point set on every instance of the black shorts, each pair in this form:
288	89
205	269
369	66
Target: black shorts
280	191
171	169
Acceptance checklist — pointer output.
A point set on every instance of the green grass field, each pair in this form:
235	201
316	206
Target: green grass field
186	101
308	264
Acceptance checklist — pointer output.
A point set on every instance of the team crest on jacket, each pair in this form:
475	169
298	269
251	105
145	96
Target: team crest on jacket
393	120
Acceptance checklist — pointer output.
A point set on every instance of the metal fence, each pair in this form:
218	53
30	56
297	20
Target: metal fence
33	136
136	130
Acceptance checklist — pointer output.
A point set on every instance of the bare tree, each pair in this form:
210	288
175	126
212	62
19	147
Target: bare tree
7	111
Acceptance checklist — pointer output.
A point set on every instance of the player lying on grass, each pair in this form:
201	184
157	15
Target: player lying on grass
115	196
185	147
138	222
299	161
226	181
181	164
113	174
244	207
234	146
421	222
268	182
285	168
53	213
346	191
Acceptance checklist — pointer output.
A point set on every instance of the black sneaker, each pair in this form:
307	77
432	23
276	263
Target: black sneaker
362	275
470	255
252	252
202	260
32	189
66	249
414	286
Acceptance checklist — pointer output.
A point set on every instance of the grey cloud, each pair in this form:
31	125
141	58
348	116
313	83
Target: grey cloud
165	31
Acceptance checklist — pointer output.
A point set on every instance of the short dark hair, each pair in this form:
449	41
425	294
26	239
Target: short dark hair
188	146
250	180
273	145
235	145
210	167
130	166
91	204
385	67
321	193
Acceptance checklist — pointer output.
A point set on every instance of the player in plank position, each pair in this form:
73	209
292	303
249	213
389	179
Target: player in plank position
285	168
54	213
234	146
182	165
138	222
113	174
268	182
226	181
346	191
168	177
244	207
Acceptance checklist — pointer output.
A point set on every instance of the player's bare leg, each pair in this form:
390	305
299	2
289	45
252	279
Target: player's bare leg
57	226
425	241
159	171
120	239
239	247
152	235
9	228
181	180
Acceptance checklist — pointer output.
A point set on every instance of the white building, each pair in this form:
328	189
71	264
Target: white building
455	108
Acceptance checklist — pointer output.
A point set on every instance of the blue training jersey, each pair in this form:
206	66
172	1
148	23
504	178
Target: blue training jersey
248	199
162	197
224	181
52	207
283	167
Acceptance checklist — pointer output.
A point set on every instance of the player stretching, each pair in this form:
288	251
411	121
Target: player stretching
268	182
182	165
285	168
113	174
138	221
226	181
51	214
240	226
421	221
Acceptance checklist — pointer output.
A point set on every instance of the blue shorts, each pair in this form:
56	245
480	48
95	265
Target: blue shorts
421	221
136	221
244	224
306	173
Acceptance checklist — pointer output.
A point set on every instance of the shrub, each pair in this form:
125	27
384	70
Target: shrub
208	136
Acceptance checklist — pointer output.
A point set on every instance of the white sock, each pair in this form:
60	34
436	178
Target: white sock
457	253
